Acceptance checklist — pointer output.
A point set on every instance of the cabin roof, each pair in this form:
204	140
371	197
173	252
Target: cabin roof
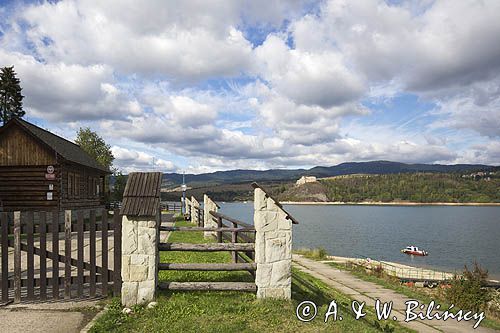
142	194
67	149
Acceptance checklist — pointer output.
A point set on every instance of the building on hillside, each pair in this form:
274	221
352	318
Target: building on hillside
306	179
42	171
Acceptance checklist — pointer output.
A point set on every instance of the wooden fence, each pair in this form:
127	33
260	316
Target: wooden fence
171	206
200	214
35	244
241	245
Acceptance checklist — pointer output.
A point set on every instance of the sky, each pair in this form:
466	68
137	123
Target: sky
200	85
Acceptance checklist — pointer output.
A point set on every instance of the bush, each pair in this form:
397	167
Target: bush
466	291
378	270
316	253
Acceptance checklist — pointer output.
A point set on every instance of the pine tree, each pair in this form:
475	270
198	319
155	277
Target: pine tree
11	99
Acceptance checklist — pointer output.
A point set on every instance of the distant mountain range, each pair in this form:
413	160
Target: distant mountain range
374	167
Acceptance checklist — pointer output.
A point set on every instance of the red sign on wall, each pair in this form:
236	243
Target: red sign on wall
50	176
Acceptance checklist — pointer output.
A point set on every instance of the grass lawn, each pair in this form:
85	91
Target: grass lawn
211	311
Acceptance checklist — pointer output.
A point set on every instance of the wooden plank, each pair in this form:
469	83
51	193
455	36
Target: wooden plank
43	256
67	253
220	286
208	267
17	257
30	260
74	280
104	253
92	249
230	219
206	247
219	233
4	249
55	251
80	259
234	239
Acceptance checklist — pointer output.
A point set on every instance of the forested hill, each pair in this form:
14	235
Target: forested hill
414	187
374	167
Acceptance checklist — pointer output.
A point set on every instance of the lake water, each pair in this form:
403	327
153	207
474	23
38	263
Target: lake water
453	235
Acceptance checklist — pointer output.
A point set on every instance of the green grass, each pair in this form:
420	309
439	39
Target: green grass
393	283
211	311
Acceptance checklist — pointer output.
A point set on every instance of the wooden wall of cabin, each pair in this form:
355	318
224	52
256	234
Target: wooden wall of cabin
79	187
19	148
23	165
26	188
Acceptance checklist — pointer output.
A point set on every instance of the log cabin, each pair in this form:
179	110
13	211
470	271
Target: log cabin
42	171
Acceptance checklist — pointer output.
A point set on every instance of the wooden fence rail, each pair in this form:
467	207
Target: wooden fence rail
240	245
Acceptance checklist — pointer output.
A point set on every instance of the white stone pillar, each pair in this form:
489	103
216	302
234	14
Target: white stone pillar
194	210
139	259
188	206
273	248
208	220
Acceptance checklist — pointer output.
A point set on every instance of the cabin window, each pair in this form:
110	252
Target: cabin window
76	189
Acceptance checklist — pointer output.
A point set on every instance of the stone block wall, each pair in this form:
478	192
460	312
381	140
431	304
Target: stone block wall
194	211
208	220
273	248
139	260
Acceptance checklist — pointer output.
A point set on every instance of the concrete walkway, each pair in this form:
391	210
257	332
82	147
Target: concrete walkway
49	317
368	292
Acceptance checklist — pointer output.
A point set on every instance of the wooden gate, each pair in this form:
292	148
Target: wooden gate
59	255
232	235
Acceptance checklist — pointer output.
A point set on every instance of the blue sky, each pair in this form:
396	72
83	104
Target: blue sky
202	86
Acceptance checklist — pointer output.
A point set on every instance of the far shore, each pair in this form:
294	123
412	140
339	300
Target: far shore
391	203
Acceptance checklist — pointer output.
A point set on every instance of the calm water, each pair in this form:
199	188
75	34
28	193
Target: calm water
453	236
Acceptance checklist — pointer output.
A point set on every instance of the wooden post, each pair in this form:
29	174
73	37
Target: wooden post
55	251
67	253
104	254
234	239
80	253
92	238
17	257
43	256
219	233
4	233
30	257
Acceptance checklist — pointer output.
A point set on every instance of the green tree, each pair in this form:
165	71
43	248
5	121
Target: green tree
119	187
95	146
11	99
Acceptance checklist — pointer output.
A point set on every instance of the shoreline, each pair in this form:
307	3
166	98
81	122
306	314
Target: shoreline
398	269
392	203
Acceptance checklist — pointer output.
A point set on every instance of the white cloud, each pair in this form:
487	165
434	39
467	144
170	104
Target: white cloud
185	79
64	92
128	160
320	79
181	40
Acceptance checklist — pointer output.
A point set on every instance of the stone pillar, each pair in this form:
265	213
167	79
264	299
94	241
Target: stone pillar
194	210
188	206
139	259
273	248
208	220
